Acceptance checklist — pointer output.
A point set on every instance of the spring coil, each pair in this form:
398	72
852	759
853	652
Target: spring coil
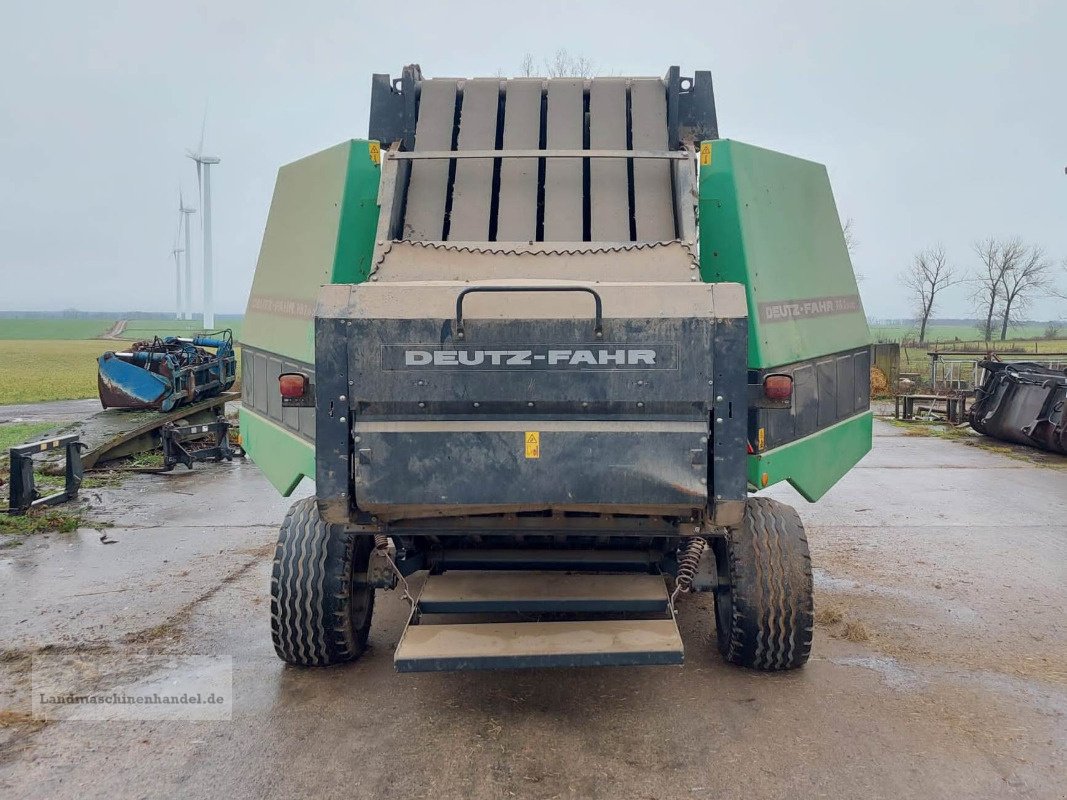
688	563
381	542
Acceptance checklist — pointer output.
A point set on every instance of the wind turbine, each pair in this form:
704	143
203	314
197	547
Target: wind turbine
185	212
203	182
177	251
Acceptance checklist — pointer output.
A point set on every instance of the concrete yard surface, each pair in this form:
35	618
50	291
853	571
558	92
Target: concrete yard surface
939	667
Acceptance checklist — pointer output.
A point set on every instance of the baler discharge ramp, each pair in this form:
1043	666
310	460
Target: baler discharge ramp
611	620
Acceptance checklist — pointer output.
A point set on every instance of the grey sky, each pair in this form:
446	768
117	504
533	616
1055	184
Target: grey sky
939	121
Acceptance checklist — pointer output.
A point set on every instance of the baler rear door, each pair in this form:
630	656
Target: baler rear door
533	396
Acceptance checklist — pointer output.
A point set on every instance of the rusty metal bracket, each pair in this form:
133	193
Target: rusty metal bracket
175	452
23	494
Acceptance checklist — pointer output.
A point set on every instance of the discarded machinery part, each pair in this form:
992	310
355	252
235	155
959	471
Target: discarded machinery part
672	155
1022	402
598	328
23	494
384	550
688	563
163	373
174	438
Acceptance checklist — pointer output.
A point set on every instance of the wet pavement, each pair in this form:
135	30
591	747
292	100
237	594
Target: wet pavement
939	667
59	411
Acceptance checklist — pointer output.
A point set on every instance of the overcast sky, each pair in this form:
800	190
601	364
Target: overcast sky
938	121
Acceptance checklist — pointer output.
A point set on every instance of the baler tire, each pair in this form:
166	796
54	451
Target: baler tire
764	608
320	615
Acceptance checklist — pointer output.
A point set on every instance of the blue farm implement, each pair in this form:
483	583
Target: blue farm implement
163	373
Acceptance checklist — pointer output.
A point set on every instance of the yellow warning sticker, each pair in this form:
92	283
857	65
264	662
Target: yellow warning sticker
705	154
533	444
761	439
375	151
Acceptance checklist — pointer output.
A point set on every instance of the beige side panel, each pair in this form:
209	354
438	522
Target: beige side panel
653	203
563	176
473	190
608	184
428	186
517	211
437	300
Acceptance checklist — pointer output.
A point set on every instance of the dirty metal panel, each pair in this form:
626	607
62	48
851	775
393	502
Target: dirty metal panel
825	392
473	189
653	199
488	592
553	363
608	183
846	383
478	466
428	186
517	214
563	176
514	645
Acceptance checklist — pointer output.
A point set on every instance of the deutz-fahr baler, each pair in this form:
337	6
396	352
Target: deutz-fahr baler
545	340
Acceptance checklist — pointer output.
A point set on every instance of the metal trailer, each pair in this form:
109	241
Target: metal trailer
564	333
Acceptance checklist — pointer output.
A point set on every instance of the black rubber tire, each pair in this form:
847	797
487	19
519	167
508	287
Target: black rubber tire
319	615
764	608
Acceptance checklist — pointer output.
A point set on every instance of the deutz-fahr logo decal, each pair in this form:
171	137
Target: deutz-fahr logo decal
536	357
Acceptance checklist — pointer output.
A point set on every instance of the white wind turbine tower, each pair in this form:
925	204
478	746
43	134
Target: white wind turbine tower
203	180
187	311
177	251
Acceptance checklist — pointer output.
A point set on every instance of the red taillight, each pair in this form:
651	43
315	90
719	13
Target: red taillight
293	384
778	387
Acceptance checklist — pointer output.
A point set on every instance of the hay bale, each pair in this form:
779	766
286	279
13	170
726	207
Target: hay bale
879	383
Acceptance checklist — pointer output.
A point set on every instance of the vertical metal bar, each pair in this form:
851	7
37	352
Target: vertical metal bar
517	214
653	210
73	471
428	186
472	190
563	176
608	186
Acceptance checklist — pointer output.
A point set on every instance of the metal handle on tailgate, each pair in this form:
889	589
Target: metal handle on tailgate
599	306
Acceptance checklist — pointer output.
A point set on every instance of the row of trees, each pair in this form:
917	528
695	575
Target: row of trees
1009	276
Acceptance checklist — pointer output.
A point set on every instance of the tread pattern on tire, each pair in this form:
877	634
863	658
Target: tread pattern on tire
771	611
312	613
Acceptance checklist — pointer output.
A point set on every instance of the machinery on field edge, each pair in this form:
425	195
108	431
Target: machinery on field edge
544	340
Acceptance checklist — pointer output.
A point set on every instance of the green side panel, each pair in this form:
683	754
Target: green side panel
283	457
816	462
320	230
769	221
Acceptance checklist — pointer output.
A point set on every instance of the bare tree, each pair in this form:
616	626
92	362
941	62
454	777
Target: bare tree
564	65
1024	277
527	65
851	243
850	236
928	275
997	257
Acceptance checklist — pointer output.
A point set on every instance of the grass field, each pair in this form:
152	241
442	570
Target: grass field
948	333
68	329
34	371
53	328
